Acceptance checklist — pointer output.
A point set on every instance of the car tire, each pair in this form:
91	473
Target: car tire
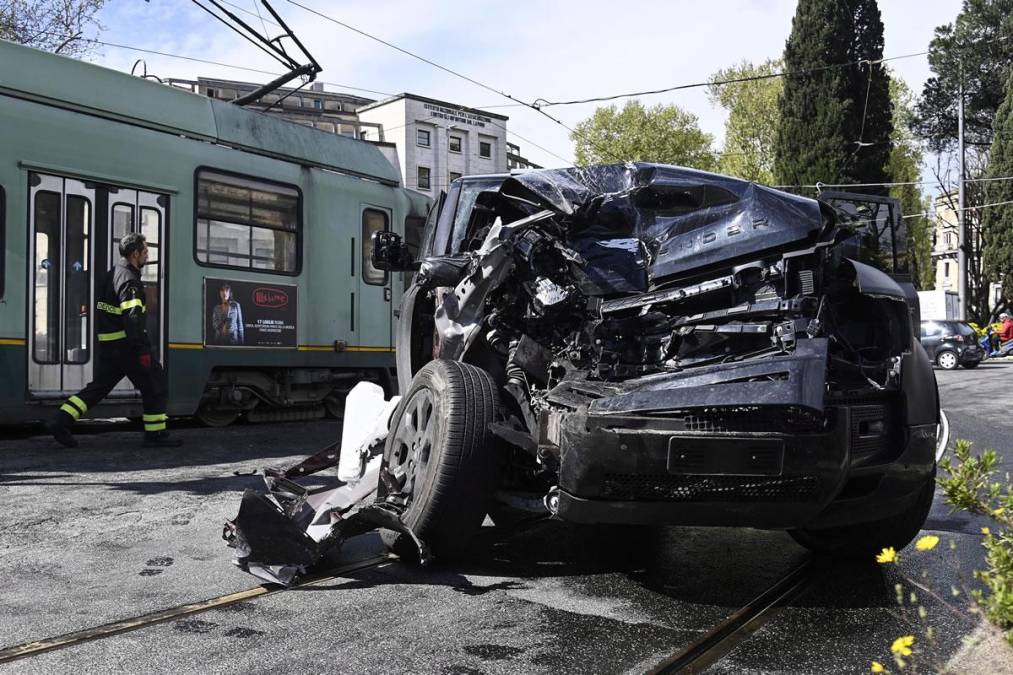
947	360
441	448
971	364
864	540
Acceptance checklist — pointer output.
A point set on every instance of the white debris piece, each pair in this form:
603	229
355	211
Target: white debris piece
367	418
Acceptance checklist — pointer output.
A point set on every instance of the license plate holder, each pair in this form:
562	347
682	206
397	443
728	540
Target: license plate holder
715	456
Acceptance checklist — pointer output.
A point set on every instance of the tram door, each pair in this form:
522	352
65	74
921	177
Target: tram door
61	251
374	302
144	212
75	227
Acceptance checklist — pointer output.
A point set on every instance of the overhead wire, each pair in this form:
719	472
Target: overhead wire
890	184
441	67
233	66
732	80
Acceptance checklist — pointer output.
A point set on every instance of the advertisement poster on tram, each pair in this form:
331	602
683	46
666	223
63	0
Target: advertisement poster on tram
249	314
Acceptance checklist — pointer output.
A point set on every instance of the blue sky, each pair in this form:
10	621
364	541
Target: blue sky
551	50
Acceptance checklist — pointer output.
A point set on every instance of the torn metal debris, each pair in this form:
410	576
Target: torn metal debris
278	536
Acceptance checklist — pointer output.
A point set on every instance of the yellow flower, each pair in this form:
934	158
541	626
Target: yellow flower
985	530
998	512
877	667
927	543
902	645
887	555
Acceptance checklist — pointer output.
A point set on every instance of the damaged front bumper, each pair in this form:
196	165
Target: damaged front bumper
753	445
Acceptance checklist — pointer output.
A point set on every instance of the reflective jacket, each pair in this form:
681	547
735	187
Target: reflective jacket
121	311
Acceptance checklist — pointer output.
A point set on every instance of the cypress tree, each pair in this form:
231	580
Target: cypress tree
822	111
997	221
869	88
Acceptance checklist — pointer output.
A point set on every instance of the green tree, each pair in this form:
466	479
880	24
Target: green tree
977	49
58	26
835	122
751	128
904	166
661	133
997	221
869	87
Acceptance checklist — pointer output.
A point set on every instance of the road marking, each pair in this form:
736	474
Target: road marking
126	625
725	636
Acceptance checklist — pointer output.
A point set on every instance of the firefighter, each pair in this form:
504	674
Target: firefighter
123	350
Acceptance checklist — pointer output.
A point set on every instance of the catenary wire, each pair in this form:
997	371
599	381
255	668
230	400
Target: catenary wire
891	184
445	69
734	80
220	63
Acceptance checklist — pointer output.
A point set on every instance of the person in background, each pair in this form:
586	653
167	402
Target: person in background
124	350
1006	330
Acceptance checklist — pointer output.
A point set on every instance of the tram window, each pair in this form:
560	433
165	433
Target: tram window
373	220
247	223
77	285
46	341
123	221
151	221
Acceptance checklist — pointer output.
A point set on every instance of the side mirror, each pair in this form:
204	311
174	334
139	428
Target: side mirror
390	253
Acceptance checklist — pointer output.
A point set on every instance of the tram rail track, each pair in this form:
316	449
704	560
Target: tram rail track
716	643
121	626
704	652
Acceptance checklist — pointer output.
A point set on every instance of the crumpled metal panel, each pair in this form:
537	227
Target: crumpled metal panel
798	379
639	223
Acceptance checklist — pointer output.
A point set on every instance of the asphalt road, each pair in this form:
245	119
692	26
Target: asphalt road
110	531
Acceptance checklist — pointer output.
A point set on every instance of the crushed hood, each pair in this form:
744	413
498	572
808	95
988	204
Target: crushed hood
637	224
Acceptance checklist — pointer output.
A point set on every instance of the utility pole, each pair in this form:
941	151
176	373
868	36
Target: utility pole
962	239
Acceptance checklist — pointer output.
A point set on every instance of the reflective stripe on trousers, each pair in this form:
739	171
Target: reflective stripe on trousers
74	407
155	422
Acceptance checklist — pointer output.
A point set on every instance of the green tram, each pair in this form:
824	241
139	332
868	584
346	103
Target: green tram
260	294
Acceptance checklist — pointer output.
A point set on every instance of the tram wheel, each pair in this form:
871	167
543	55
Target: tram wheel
334	405
216	417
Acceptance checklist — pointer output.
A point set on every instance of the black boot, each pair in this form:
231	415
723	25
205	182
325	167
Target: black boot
59	427
161	439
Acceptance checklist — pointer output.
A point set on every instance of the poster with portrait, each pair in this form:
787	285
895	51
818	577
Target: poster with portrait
249	314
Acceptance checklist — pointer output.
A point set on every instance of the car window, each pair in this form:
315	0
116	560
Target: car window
962	329
930	329
469	193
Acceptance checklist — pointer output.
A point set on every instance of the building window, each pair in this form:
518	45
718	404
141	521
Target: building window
247	223
454	176
485	149
373	220
946	269
422	137
423	178
318	104
211	92
455	143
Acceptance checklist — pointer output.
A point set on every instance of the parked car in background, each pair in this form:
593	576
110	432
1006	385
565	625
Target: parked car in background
951	343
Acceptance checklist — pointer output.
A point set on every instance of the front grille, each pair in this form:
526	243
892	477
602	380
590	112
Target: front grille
753	419
663	487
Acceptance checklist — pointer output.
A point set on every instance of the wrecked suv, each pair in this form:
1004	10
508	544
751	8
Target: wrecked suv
648	344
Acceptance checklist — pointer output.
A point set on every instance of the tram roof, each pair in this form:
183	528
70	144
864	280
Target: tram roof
85	87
